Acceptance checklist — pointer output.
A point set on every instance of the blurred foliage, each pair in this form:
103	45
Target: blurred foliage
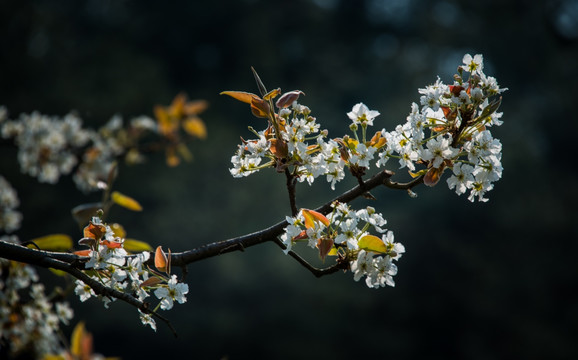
495	280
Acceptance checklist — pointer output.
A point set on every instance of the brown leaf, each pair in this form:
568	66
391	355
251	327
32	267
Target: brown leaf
324	245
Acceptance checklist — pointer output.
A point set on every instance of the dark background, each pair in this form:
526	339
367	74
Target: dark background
494	280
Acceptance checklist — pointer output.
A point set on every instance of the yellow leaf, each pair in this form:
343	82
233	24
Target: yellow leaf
172	158
125	201
76	339
135	246
195	127
118	230
54	242
416	174
195	107
272	94
178	105
167	123
372	243
241	96
333	252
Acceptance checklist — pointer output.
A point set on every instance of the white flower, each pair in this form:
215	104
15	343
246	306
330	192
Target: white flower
83	291
363	265
439	149
64	312
171	292
462	179
473	65
360	114
363	155
147	319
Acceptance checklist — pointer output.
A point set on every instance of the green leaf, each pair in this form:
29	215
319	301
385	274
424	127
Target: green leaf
58	272
125	201
136	246
372	243
53	242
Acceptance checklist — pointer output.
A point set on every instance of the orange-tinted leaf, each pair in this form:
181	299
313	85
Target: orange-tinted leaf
311	216
241	96
86	346
160	259
377	141
260	108
194	126
125	201
178	105
94	231
324	245
171	157
195	107
82	252
372	243
111	244
302	235
54	242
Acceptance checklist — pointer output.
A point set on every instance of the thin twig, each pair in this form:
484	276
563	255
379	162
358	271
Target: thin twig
291	182
41	258
314	270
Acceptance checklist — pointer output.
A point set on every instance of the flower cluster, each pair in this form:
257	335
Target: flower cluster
29	320
346	233
449	131
46	145
118	270
50	147
9	218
